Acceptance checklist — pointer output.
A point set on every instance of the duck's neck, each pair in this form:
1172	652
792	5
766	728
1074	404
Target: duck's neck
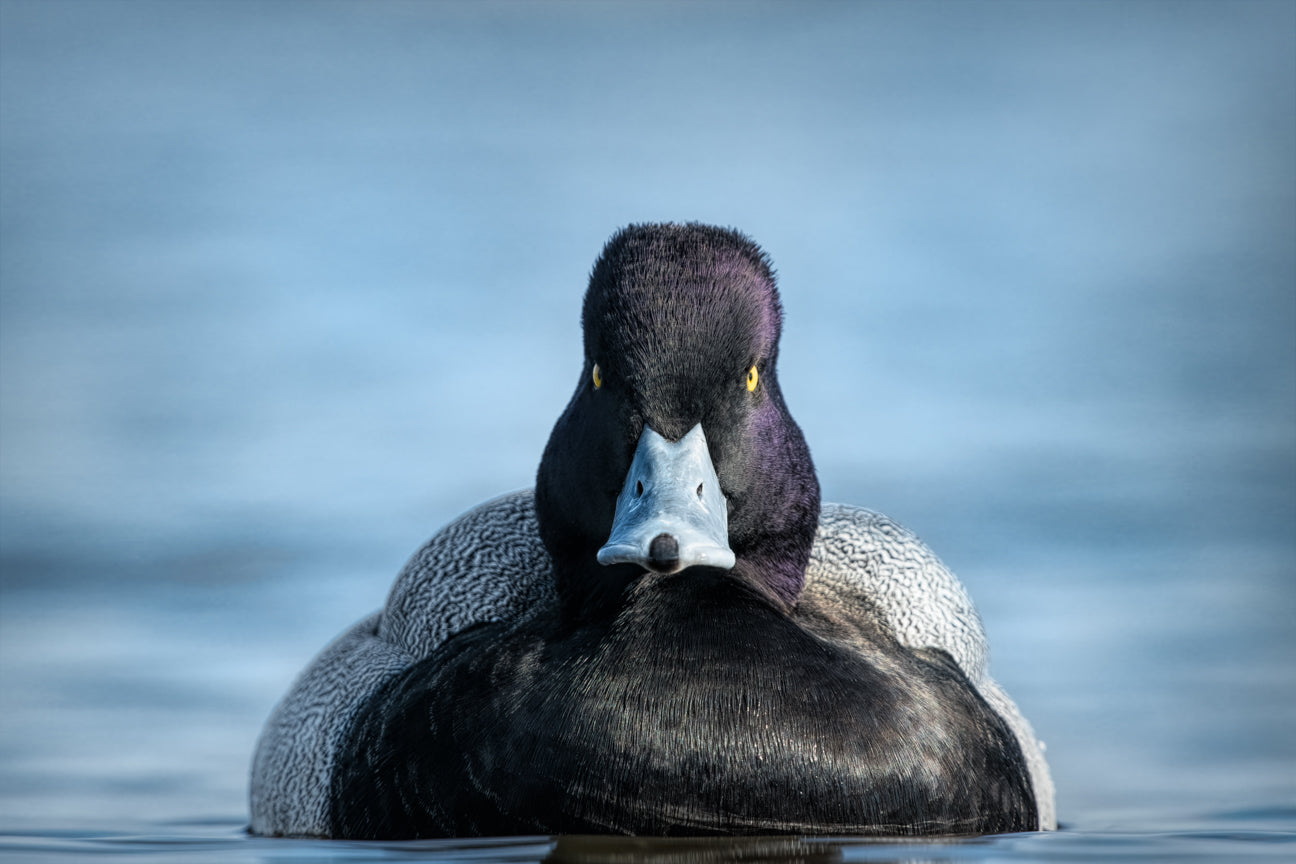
773	543
588	593
779	578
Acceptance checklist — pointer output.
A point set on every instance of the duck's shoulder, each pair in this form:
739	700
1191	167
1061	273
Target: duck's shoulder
487	565
863	562
294	757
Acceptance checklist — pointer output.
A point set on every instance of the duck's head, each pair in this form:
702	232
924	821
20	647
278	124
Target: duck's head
676	451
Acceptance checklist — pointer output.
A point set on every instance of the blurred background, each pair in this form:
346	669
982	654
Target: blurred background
286	286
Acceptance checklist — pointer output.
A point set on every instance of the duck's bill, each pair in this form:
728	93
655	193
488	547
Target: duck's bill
671	513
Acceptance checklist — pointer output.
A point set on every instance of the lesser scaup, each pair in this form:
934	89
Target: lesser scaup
669	635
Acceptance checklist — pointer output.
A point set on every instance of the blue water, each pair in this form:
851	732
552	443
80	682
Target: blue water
286	286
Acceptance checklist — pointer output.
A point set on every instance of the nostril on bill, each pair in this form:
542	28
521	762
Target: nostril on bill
663	553
699	490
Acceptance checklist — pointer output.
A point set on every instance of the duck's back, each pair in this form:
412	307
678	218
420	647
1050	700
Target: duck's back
701	709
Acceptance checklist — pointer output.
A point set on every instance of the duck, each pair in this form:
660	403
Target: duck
670	634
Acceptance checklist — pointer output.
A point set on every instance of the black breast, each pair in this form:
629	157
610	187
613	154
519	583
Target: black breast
700	709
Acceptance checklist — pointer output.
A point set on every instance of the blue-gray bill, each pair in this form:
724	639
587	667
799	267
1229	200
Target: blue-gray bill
671	513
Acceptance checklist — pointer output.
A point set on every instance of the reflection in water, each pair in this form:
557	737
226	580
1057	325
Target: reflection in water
1247	836
704	850
714	850
691	850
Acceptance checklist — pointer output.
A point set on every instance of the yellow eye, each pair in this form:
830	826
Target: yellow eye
598	377
752	378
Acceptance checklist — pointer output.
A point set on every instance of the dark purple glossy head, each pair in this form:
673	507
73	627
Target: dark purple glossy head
676	318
